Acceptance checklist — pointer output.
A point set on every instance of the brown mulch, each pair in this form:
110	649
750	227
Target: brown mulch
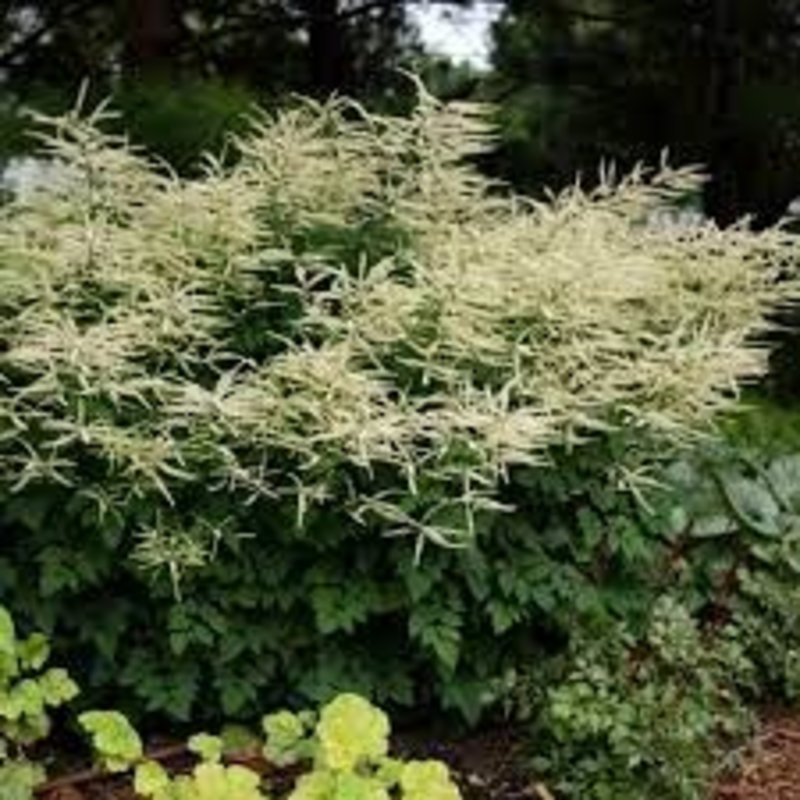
770	767
488	765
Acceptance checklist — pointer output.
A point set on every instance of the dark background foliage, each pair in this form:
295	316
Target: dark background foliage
578	81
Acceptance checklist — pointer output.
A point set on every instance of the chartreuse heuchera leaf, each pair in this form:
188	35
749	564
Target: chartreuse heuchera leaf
345	748
287	738
150	778
34	651
18	779
215	782
209	748
351	730
26	695
351	742
115	740
327	785
427	780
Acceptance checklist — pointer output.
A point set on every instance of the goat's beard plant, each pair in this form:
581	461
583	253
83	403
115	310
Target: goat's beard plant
349	319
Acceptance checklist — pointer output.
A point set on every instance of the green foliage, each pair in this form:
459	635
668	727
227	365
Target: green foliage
207	782
644	718
738	532
646	707
150	778
27	693
763	427
114	739
179	121
182	120
209	748
272	415
351	730
616	81
19	778
427	780
350	746
343	756
119	749
287	737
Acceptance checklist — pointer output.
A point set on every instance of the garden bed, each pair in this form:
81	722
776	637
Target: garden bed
771	766
487	764
490	765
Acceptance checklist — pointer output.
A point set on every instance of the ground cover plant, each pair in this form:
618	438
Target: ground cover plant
28	692
347	416
342	752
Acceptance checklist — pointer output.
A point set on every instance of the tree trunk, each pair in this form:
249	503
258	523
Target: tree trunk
152	36
327	68
724	199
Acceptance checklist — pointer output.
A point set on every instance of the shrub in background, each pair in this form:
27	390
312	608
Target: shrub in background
177	120
182	120
258	428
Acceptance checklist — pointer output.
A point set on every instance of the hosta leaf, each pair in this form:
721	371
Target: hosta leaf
712	526
784	476
754	505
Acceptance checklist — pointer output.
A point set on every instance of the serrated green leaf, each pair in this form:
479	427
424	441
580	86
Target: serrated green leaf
8	637
57	687
150	778
19	779
286	738
427	780
34	651
114	739
209	748
352	730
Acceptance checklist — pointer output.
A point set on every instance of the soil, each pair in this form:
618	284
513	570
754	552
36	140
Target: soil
770	768
491	765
